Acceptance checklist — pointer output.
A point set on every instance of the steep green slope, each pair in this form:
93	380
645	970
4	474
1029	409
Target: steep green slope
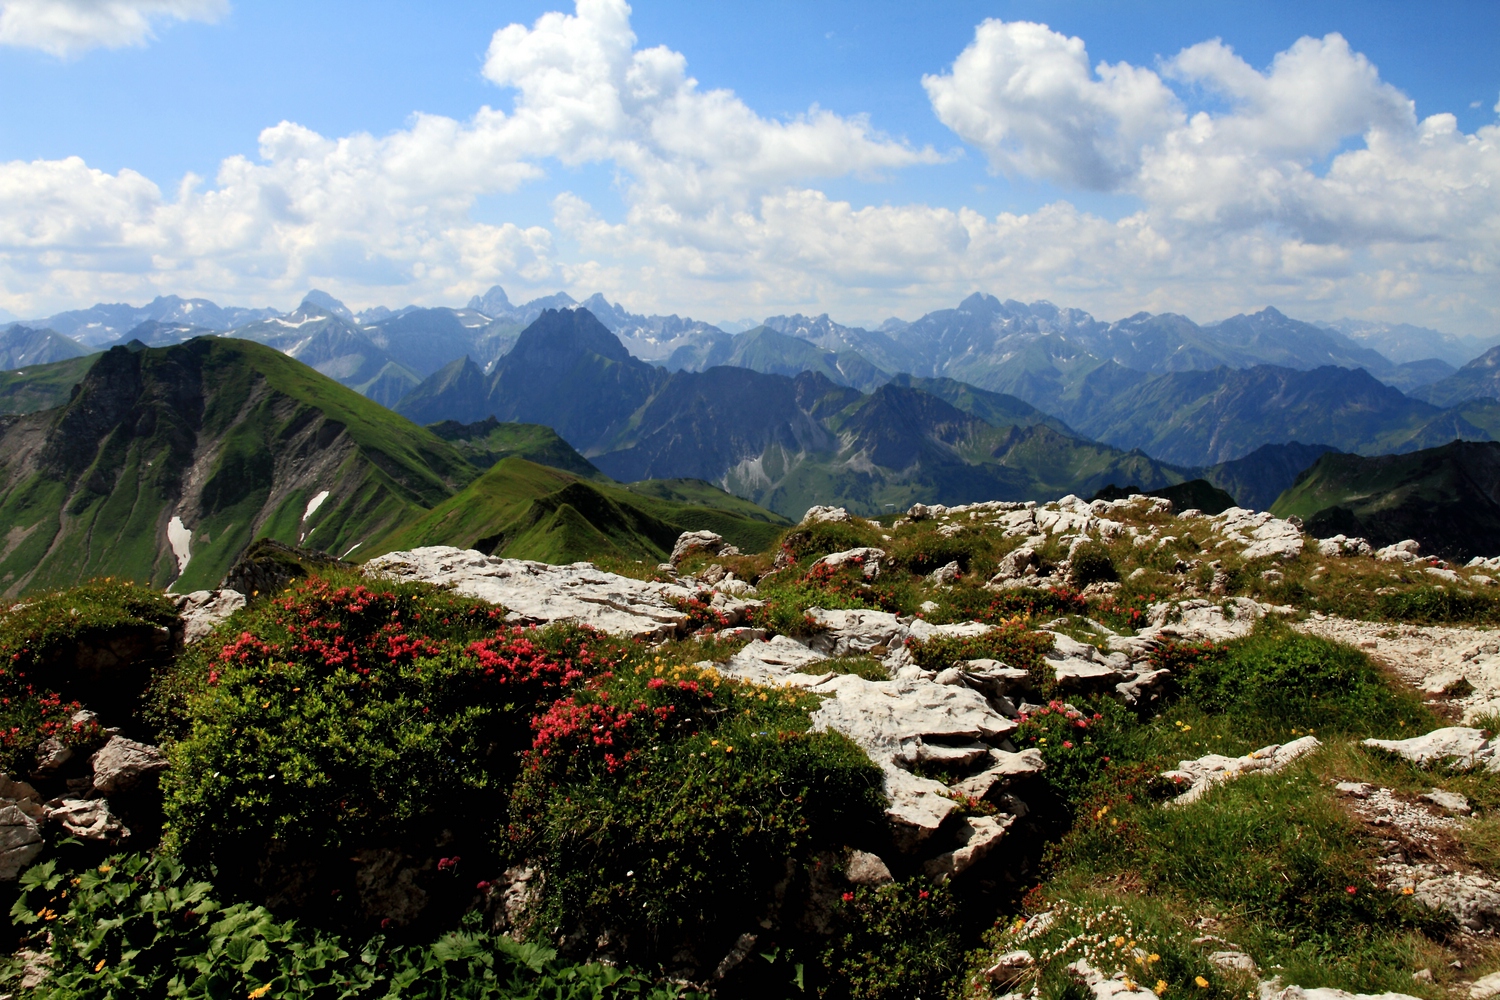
522	510
212	443
41	387
1447	498
487	441
1256	480
697	493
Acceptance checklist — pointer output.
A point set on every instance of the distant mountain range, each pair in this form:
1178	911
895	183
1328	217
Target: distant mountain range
1404	342
1030	350
1183	396
783	441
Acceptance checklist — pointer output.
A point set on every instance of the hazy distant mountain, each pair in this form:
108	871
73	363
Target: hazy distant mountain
329	304
764	350
154	333
23	345
1402	342
337	348
425	340
879	347
1039	350
105	323
1479	379
1200	418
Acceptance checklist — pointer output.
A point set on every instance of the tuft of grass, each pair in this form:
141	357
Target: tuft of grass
1118	933
867	667
1279	683
1273	858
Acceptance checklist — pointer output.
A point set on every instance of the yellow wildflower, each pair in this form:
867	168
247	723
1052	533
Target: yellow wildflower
99	966
260	991
1200	980
1161	987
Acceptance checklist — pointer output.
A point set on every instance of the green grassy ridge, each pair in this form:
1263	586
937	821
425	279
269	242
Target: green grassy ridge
520	509
488	441
1447	498
42	387
97	500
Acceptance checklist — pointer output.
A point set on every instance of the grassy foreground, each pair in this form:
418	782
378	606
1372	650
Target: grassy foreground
667	811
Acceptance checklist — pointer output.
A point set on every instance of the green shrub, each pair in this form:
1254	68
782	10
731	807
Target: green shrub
828	536
43	676
1091	563
140	927
1278	680
1429	605
977	603
663	805
1077	745
922	552
867	667
784	611
895	941
1011	643
347	717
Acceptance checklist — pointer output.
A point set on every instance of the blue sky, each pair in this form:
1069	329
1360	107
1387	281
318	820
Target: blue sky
941	190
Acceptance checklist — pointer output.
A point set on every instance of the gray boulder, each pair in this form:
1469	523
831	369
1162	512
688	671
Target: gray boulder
700	541
203	609
87	819
121	765
538	593
21	817
866	557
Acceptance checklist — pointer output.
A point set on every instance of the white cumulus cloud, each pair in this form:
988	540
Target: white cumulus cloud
1309	183
68	27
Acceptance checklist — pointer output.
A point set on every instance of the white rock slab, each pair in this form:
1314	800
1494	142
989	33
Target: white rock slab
1202	774
1459	746
203	609
539	593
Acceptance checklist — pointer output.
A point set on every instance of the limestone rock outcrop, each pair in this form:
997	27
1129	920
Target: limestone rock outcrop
539	593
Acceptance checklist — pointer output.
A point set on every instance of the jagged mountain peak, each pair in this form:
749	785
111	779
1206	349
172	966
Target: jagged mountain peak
326	303
492	303
559	336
